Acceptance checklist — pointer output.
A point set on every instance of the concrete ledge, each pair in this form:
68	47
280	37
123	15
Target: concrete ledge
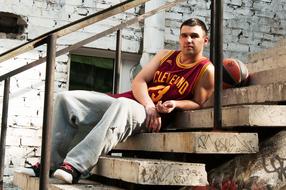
267	59
26	182
264	93
235	116
268	76
193	142
151	172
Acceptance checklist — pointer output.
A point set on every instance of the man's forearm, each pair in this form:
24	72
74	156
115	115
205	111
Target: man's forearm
140	92
187	105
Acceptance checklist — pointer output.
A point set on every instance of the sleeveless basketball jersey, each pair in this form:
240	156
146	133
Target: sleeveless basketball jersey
173	80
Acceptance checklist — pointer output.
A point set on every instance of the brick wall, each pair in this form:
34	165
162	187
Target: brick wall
249	27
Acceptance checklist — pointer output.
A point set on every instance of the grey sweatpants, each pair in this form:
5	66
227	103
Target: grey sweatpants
110	121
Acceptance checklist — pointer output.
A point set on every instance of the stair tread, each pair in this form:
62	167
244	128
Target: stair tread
267	59
151	172
234	116
193	142
274	92
26	182
268	76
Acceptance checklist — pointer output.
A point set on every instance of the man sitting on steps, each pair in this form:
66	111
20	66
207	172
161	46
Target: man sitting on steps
181	79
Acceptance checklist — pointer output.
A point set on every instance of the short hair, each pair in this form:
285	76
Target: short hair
195	22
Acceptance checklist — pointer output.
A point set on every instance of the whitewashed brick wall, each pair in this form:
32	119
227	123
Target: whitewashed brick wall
249	27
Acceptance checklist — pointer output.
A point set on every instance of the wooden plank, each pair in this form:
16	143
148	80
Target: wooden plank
265	93
267	59
235	116
151	172
193	142
26	182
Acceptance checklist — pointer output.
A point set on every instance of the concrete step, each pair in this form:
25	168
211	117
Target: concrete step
255	94
268	59
256	171
235	116
26	182
268	76
151	172
193	142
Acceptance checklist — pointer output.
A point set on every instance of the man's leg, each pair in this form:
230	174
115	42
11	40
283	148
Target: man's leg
74	110
123	118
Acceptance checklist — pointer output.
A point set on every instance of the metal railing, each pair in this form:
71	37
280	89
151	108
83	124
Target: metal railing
50	39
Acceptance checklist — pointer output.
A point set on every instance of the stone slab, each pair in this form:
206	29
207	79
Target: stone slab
267	59
234	116
151	172
25	182
264	170
268	76
193	142
256	94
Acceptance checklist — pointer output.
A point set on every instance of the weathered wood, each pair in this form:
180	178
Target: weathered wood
267	59
265	93
264	170
193	142
26	182
235	116
151	172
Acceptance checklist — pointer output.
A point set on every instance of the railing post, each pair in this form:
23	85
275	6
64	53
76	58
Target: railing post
117	65
48	112
217	55
4	129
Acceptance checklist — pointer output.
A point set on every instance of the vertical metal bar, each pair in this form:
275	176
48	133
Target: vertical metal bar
48	110
118	62
218	58
4	128
213	28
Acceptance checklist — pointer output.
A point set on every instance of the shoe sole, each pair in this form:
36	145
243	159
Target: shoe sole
63	175
27	171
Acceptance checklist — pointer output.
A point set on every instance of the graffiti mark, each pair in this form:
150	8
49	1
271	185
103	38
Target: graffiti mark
223	144
167	174
276	165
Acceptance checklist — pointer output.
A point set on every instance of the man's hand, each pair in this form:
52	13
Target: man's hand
153	120
166	107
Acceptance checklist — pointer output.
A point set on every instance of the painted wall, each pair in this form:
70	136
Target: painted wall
249	27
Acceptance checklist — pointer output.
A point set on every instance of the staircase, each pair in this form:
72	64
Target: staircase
184	153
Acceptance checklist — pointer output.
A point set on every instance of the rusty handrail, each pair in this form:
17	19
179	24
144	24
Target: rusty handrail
77	45
71	27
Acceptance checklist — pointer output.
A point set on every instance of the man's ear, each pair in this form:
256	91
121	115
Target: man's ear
206	40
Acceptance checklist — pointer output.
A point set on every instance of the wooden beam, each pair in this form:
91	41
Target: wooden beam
151	172
193	142
235	116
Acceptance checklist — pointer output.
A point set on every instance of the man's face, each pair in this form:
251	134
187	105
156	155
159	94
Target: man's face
192	40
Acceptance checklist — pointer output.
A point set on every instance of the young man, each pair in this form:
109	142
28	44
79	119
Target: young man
181	79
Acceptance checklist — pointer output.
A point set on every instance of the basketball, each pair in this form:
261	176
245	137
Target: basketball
235	73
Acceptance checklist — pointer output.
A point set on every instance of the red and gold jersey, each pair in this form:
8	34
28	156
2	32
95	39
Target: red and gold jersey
174	80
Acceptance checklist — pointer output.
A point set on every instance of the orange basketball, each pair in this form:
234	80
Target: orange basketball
235	73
